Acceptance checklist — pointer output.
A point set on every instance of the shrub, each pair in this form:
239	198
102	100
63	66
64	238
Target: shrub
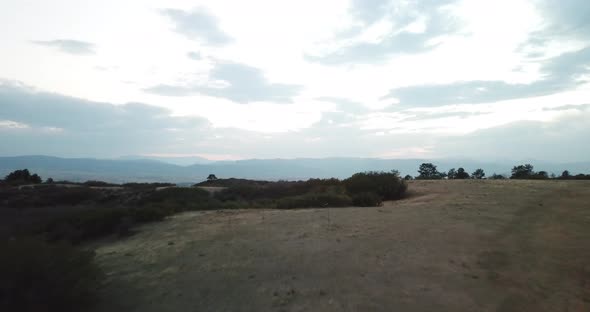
366	199
388	185
37	276
497	177
316	200
86	224
19	177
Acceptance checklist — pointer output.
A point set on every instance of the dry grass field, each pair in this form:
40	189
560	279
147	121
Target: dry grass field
450	246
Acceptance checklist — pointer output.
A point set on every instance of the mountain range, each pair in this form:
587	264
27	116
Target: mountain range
146	169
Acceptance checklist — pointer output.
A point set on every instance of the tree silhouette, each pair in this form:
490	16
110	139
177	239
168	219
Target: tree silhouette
522	172
428	171
478	174
211	177
452	174
19	177
461	174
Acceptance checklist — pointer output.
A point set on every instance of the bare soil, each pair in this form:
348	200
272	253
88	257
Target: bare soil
451	246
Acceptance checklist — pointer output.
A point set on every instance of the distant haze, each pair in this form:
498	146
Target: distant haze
146	170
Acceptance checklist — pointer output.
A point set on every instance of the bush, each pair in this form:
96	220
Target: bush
497	177
86	224
366	199
20	177
316	200
37	276
388	185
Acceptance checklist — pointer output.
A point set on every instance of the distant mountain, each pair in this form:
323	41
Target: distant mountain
150	170
180	161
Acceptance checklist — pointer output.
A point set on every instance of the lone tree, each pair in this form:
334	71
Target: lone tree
565	175
461	174
23	176
428	171
478	174
452	174
211	177
522	172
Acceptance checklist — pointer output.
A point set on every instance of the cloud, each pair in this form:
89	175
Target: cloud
559	73
566	18
69	46
198	24
560	139
581	107
50	123
438	115
237	82
345	105
414	26
194	55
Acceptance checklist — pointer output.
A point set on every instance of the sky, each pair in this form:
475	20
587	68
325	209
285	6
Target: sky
225	80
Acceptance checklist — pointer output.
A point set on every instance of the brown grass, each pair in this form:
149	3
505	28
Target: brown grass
450	246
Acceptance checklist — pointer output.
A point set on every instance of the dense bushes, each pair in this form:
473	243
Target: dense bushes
20	177
387	185
314	200
37	276
366	199
48	195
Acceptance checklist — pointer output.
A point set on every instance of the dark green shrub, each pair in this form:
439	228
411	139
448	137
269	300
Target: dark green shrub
37	276
19	177
366	199
388	185
150	213
86	224
314	200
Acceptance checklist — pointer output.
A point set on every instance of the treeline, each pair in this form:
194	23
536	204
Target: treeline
429	171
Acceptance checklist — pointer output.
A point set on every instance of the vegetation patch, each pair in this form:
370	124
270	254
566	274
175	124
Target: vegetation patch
37	276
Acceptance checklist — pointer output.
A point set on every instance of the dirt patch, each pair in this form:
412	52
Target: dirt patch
450	246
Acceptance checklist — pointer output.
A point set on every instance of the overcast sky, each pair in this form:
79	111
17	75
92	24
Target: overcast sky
281	79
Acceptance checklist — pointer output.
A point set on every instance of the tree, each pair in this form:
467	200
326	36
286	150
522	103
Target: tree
565	174
522	172
19	177
211	177
461	174
408	177
428	171
49	181
478	174
452	174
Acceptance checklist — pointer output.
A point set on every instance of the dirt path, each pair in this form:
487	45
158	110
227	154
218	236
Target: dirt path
452	246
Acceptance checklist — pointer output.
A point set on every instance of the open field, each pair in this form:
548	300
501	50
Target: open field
457	245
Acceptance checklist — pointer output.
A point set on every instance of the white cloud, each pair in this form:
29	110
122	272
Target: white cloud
309	69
